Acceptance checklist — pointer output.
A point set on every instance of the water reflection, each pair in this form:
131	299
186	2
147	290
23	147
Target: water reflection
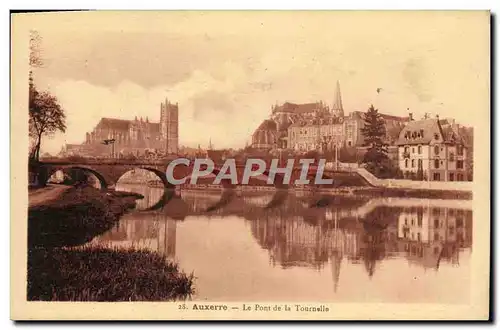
281	245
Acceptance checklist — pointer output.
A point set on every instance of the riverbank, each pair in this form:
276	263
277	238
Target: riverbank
77	216
412	193
59	269
99	274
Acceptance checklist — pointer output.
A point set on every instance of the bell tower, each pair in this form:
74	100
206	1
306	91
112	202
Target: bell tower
337	108
169	126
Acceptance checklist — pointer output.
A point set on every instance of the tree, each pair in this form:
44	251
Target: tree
35	50
373	133
46	116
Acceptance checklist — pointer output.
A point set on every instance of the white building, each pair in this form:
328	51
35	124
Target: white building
434	146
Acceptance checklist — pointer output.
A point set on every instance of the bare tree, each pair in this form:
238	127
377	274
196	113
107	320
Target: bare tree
35	50
46	116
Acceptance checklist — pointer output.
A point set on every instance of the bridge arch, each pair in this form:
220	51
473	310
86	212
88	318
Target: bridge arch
53	169
160	174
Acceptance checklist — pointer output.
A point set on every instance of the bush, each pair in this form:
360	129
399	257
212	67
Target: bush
385	171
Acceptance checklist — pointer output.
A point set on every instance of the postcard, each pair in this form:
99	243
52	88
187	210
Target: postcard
250	165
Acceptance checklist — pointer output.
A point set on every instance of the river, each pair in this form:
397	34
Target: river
288	246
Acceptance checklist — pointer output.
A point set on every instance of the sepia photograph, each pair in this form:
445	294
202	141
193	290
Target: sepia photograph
250	165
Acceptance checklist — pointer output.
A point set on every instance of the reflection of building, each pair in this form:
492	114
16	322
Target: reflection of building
293	242
132	137
424	235
429	235
158	235
433	147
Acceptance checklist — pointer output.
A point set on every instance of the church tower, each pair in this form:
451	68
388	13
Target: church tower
337	108
169	126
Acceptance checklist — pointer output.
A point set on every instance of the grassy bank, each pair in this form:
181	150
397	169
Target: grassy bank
413	193
60	271
96	274
76	217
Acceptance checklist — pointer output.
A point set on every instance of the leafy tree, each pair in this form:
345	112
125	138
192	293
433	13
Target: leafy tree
373	133
46	117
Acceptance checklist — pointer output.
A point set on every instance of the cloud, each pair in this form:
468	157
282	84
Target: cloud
225	82
209	107
415	76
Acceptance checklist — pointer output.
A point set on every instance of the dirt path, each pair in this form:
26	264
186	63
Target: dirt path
43	195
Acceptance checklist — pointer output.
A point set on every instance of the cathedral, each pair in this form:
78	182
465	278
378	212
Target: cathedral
317	126
133	137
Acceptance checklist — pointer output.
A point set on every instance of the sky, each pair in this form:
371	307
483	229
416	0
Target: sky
226	69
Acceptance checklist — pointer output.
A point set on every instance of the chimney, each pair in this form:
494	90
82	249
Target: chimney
410	116
437	117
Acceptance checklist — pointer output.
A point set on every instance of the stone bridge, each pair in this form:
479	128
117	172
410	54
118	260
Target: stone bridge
109	171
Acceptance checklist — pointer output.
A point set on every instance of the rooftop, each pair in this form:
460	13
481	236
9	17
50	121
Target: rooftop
298	108
426	130
420	132
124	125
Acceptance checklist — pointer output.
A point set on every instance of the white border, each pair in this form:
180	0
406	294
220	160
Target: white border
192	4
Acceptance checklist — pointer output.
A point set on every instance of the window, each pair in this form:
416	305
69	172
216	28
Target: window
452	177
436	236
407	149
436	177
419	150
460	150
412	150
420	163
406	163
460	164
436	150
436	223
349	143
413	163
418	237
436	163
460	177
436	136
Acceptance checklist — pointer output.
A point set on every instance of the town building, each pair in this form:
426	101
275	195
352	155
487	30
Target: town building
136	137
316	126
432	149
